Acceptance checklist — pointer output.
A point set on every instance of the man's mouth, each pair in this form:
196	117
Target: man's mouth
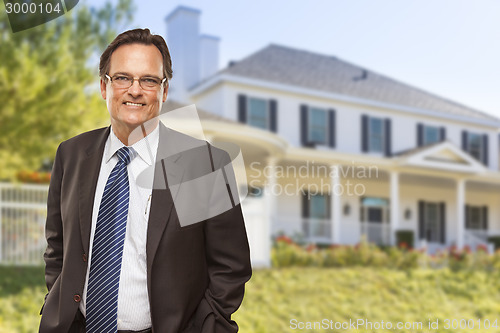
133	104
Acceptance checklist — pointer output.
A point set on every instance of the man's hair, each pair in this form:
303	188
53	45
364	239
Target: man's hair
136	36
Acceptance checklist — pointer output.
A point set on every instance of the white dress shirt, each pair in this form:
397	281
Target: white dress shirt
133	301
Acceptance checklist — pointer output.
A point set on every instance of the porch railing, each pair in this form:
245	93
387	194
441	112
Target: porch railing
378	233
23	210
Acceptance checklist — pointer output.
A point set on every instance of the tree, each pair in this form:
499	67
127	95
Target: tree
48	89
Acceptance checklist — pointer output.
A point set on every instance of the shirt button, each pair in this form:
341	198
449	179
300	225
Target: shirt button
77	298
84	257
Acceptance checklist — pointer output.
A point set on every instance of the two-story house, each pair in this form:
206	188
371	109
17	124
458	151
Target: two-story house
334	151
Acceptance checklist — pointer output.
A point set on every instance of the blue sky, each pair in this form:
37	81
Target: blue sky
447	47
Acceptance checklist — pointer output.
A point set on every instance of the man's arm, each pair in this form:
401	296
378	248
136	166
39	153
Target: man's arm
53	255
228	260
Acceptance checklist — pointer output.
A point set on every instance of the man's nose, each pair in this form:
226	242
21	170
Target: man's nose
135	89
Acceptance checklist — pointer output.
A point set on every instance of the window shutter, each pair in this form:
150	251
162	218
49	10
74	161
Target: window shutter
303	125
442	212
420	135
273	113
464	140
467	218
242	109
421	219
387	139
305	205
485	149
331	128
442	133
364	133
485	217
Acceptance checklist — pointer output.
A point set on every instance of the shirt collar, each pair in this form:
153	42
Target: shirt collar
146	147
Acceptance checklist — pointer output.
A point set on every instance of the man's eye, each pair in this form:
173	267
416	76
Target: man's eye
149	80
121	78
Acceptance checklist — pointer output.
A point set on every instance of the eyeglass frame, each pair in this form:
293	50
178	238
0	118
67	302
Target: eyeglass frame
134	79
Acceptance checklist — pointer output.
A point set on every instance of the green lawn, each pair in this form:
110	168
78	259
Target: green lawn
278	300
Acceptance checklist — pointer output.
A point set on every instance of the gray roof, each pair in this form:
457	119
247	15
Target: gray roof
310	70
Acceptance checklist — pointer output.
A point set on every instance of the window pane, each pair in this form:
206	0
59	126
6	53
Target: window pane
318	117
257	113
376	138
475	145
318	125
318	206
432	223
431	134
475	218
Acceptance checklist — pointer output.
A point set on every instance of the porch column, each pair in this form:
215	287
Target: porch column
336	210
460	213
394	195
270	206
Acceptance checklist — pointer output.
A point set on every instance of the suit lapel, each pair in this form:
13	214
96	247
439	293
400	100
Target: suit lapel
87	183
167	178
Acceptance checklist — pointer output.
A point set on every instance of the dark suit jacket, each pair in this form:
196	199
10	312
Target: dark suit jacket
195	274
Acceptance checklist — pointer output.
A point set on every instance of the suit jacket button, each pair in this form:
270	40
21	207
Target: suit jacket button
84	257
77	298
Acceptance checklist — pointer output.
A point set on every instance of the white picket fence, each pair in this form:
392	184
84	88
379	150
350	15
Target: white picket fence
23	209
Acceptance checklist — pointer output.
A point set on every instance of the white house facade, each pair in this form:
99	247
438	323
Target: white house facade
334	152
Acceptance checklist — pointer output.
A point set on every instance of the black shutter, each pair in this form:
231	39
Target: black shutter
331	128
464	140
364	133
442	211
420	135
242	109
303	125
305	205
442	133
466	218
388	140
485	149
273	113
421	219
485	217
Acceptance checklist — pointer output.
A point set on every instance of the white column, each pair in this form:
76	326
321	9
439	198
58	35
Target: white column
271	202
394	220
336	210
460	213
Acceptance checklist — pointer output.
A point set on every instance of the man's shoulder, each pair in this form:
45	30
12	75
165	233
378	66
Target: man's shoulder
85	138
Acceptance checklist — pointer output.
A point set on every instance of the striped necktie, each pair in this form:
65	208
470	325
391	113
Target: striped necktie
107	249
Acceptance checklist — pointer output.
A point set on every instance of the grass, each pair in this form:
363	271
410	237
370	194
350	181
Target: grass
275	297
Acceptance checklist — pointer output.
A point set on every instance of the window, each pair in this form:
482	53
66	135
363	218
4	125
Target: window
258	112
374	210
431	135
318	206
258	115
318	126
475	145
432	223
475	217
376	134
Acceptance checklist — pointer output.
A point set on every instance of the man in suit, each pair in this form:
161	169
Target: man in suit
124	254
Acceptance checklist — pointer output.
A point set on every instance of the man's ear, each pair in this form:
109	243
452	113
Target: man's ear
165	93
103	89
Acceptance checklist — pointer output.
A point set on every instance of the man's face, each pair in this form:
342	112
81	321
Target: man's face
135	60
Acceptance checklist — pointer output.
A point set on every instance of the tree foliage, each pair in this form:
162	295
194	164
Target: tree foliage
48	88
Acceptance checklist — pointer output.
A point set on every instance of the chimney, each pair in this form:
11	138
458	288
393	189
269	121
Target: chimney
194	56
183	40
209	55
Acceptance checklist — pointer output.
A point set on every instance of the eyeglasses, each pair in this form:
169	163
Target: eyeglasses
146	82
